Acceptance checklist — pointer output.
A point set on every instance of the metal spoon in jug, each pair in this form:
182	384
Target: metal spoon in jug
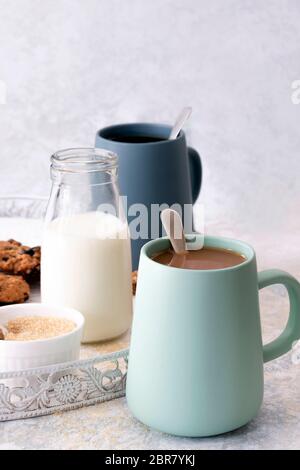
180	122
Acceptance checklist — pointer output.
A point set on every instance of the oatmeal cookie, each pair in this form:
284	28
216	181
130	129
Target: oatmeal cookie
16	258
13	289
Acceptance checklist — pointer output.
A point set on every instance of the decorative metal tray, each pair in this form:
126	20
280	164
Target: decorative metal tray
60	387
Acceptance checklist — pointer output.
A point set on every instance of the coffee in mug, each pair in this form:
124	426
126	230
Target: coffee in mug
206	258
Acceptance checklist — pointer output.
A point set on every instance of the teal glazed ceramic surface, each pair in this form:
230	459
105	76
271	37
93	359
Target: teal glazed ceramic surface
196	356
163	172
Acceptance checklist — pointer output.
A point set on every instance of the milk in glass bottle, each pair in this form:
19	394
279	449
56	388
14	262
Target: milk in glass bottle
86	257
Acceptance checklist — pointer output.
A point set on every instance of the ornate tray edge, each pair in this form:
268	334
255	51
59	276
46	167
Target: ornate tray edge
62	387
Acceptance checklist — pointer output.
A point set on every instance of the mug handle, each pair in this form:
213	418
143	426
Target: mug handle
195	171
291	333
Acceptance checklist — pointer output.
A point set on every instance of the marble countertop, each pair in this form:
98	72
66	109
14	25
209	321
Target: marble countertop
110	425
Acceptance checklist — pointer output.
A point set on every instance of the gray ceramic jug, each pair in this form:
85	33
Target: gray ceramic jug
152	172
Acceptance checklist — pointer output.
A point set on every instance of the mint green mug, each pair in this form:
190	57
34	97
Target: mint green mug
196	355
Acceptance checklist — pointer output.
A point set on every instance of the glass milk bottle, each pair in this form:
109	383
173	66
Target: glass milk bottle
86	257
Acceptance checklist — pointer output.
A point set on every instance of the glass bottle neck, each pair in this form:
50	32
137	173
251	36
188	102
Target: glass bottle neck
84	167
91	179
84	180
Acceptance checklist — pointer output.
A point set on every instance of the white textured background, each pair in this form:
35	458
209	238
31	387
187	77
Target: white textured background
72	66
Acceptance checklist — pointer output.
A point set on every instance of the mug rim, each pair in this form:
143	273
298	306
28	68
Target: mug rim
209	241
104	132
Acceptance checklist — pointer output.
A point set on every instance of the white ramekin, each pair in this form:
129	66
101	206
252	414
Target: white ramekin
18	355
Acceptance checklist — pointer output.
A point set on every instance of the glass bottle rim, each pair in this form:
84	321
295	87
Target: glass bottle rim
84	160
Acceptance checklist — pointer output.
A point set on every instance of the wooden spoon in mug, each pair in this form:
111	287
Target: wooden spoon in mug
180	122
172	223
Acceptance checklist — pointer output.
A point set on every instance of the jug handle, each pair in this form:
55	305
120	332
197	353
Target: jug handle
291	333
195	171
